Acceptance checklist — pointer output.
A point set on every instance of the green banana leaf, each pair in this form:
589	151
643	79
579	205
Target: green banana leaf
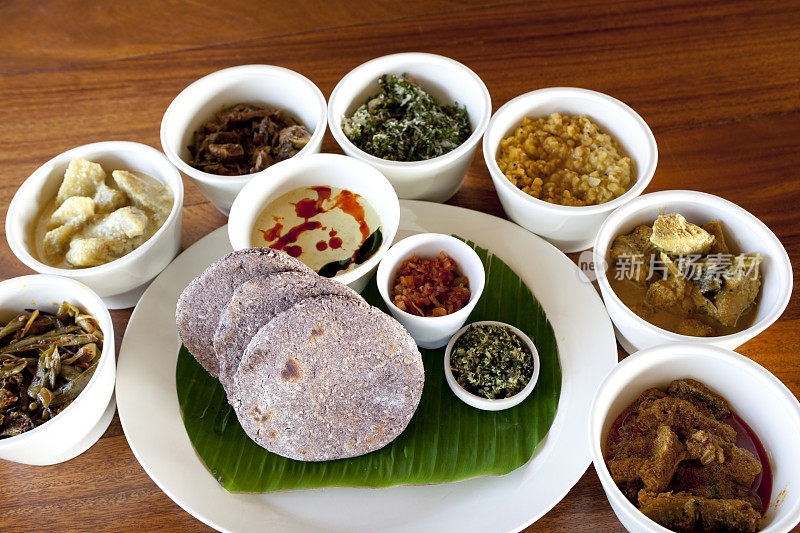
446	439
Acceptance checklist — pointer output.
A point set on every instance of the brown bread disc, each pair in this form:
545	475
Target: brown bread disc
330	378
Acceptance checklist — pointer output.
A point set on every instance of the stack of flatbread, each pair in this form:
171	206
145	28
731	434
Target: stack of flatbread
312	370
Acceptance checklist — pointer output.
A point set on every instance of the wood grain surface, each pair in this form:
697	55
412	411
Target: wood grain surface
718	83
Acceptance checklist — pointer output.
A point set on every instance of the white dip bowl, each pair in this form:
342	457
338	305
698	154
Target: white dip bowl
755	395
569	228
318	169
741	228
252	84
480	402
80	425
449	82
432	332
121	282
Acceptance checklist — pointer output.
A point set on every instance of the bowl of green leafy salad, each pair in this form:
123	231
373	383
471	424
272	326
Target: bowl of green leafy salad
416	117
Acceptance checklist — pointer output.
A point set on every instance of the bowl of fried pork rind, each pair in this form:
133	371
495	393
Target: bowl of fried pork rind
124	249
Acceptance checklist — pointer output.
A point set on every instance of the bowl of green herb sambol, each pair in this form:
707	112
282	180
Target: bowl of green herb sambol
416	117
491	365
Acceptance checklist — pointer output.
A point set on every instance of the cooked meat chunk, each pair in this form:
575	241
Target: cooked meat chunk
107	200
667	292
684	511
635	248
227	152
715	229
291	140
56	241
144	191
730	303
675	511
695	391
81	179
728	515
684	418
674	235
124	223
88	252
668	451
716	480
75	208
694	328
626	469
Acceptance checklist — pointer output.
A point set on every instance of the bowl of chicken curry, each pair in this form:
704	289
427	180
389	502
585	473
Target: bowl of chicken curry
680	266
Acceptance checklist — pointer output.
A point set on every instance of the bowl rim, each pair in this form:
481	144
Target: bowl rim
619	217
415	241
108	147
556	93
480	402
723	355
409	57
233	72
109	350
293	167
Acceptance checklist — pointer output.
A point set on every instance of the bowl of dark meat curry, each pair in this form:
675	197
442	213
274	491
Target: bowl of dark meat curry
57	369
233	124
689	437
680	266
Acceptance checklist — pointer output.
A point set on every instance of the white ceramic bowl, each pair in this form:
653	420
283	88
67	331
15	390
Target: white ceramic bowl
80	425
480	402
432	332
252	84
755	395
741	228
569	228
119	283
318	169
446	80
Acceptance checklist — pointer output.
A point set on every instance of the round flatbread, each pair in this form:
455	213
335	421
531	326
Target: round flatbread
200	303
330	378
256	302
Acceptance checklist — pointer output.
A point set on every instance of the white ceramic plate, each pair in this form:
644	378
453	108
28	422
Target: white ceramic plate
148	404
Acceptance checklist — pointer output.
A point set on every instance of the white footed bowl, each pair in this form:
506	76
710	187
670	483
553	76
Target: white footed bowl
80	425
569	228
741	228
121	282
754	394
448	81
252	84
319	169
432	332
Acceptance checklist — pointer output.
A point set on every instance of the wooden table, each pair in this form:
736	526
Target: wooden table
718	84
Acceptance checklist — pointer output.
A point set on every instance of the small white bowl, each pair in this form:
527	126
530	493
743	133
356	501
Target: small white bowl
741	228
754	394
252	84
569	228
480	402
121	282
448	81
80	425
318	169
432	332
